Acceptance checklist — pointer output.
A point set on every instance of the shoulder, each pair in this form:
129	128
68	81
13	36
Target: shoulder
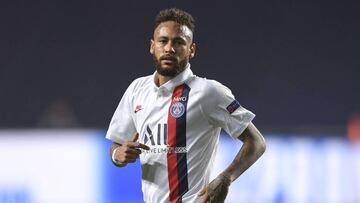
139	83
209	87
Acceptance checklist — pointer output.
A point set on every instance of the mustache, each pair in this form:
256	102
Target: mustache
168	57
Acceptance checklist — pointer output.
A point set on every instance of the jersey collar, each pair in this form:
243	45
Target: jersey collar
176	81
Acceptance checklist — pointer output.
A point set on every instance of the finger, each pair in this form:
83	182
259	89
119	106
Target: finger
202	192
205	199
131	160
131	156
133	151
135	137
138	145
143	146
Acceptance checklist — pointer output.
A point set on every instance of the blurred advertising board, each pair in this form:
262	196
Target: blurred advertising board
73	166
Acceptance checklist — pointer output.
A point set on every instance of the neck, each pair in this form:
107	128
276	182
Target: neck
163	79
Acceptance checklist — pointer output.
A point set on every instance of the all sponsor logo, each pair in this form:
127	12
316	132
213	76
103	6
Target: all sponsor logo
158	141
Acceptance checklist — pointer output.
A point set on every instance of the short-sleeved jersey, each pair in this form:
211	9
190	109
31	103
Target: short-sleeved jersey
180	121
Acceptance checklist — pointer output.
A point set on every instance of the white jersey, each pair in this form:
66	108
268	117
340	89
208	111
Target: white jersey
180	121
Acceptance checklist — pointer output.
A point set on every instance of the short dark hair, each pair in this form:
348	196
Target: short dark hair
176	15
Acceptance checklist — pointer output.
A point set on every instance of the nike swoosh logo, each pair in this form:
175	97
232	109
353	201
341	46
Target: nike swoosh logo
137	110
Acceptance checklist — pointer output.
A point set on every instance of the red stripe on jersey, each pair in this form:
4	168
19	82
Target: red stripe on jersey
171	157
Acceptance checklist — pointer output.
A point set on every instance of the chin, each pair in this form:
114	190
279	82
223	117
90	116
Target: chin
167	71
167	67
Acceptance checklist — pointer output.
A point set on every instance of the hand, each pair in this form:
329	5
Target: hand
129	151
216	191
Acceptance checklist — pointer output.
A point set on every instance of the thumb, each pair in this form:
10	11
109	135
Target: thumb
135	137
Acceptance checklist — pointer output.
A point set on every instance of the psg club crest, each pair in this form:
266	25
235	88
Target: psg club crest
177	109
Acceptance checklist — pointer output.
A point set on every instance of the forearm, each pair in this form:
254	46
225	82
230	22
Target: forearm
254	146
251	150
248	154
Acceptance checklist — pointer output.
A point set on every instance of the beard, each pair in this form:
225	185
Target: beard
171	71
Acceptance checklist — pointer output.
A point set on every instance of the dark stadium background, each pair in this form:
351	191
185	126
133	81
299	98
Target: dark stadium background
64	66
294	63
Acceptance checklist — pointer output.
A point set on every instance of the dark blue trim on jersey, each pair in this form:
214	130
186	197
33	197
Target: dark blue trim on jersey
181	142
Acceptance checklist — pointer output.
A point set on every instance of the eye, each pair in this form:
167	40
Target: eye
178	42
162	41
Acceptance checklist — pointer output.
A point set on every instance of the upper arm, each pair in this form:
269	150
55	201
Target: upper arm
122	125
223	110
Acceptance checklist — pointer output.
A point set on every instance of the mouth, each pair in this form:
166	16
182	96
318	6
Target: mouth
168	59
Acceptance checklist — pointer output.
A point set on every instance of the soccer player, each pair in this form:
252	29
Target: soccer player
172	121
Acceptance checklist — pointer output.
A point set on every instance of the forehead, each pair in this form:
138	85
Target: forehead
172	29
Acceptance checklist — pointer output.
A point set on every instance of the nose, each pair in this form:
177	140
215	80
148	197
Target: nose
169	48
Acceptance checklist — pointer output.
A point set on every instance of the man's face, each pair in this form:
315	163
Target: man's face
172	47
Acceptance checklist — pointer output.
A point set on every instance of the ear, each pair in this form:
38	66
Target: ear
192	50
151	46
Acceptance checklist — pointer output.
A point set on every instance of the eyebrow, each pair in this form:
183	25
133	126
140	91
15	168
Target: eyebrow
176	38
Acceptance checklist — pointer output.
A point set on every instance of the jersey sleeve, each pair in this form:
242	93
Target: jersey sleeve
122	125
222	109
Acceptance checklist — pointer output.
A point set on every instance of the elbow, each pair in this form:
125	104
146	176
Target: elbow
258	144
261	145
